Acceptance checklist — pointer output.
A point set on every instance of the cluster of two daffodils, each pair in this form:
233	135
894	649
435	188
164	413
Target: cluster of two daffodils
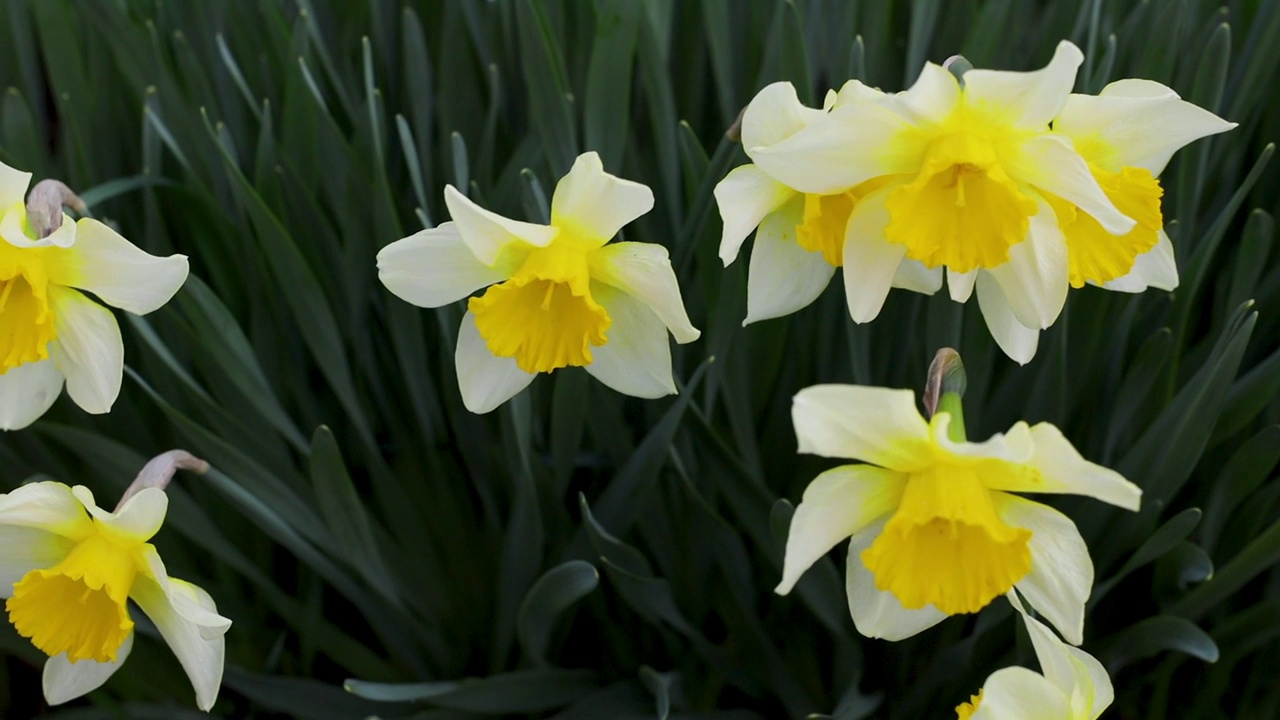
1015	187
69	568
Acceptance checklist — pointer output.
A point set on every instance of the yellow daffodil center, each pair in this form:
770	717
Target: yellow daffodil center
1095	255
544	316
962	211
946	546
79	606
964	711
26	320
827	216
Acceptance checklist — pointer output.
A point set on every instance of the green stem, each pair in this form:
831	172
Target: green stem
950	403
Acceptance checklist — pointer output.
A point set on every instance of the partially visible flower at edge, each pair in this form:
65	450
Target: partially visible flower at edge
50	332
558	295
933	525
1071	684
68	569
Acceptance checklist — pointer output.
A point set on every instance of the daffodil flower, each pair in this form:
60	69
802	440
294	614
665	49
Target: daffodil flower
558	295
50	332
934	526
1071	684
944	175
800	235
1126	134
68	569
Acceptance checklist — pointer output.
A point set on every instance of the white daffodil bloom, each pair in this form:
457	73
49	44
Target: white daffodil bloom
1071	684
799	235
1126	134
933	525
558	295
50	332
68	569
944	175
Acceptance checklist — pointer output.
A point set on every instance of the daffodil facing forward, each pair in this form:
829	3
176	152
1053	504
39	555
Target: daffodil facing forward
1071	684
558	295
934	525
50	332
68	569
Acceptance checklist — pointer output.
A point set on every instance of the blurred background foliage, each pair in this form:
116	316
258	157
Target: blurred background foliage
578	554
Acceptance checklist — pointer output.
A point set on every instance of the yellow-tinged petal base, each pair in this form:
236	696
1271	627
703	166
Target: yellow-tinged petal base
26	320
962	211
543	317
79	606
946	546
827	216
1095	255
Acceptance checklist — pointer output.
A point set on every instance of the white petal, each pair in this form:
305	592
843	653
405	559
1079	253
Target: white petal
1017	341
434	267
643	271
774	115
1016	693
850	144
1027	99
837	504
876	613
487	233
46	505
745	196
877	425
870	261
1014	446
13	186
188	620
960	285
88	349
914	276
1061	575
64	680
1036	279
1075	672
23	549
636	360
1157	268
27	392
856	91
783	277
139	518
1138	123
117	271
1060	469
596	204
486	380
1051	163
931	98
14	228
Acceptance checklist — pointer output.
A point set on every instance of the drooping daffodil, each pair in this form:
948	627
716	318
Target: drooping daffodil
68	569
50	332
558	295
945	175
1071	684
1126	134
799	241
934	527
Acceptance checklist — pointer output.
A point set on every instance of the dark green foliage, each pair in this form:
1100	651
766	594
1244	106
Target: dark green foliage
579	554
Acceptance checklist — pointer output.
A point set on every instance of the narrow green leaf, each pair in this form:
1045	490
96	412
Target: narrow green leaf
554	593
